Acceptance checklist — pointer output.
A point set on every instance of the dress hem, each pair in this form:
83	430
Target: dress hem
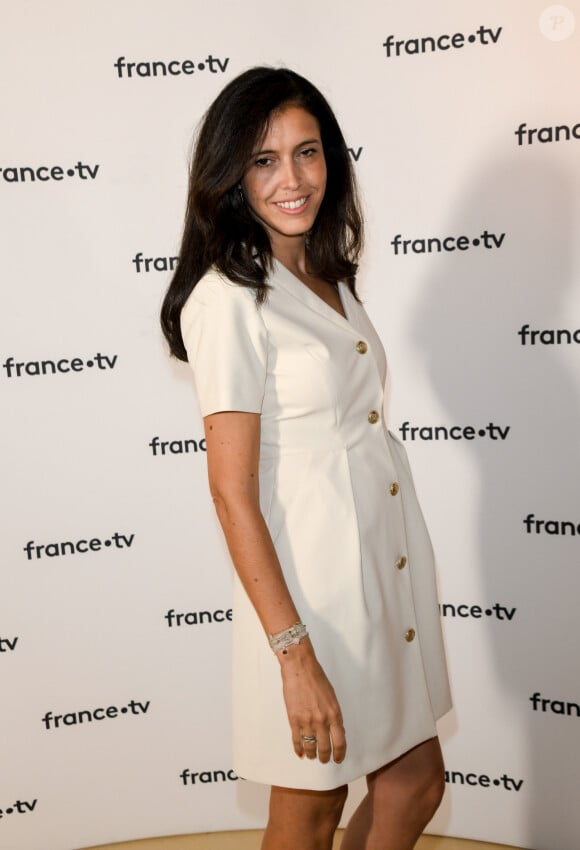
351	776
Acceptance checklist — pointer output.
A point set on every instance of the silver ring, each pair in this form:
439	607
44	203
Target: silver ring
309	739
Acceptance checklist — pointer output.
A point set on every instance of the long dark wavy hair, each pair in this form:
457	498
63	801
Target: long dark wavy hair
219	228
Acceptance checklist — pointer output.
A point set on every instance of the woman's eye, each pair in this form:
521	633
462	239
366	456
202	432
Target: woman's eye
262	162
308	152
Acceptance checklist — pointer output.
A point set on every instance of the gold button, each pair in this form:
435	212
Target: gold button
401	563
373	417
410	635
394	488
362	347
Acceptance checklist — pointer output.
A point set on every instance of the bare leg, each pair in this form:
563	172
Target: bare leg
303	819
402	798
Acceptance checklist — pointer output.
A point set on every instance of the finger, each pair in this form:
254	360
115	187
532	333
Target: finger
309	743
338	737
324	744
323	741
297	741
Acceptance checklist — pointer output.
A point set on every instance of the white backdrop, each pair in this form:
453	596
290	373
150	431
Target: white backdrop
114	704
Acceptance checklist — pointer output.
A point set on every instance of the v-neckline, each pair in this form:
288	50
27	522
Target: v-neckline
303	292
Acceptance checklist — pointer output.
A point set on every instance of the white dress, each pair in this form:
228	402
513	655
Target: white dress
338	498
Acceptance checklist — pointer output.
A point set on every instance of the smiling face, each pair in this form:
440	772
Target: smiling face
286	178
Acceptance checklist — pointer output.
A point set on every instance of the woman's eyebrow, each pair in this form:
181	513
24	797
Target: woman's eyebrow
299	145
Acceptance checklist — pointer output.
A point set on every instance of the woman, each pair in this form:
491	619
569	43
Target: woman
334	588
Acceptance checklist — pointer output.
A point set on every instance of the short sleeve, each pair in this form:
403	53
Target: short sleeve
227	345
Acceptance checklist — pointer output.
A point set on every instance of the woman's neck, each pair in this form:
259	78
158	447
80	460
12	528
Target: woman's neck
292	254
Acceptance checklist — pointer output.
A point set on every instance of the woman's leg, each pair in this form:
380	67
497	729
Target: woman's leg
304	820
402	798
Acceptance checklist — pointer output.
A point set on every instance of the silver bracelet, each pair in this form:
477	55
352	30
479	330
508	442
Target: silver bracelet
281	641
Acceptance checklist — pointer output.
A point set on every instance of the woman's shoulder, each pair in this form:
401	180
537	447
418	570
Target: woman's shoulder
214	292
214	285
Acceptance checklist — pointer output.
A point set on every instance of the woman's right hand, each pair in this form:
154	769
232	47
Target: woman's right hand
311	704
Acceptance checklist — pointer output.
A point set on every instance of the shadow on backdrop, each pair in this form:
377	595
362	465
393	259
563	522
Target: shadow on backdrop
466	325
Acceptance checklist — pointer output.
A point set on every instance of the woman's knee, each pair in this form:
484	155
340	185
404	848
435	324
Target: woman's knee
431	792
326	810
414	783
318	812
428	789
331	812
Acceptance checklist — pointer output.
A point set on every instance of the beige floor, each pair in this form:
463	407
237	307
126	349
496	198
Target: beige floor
250	840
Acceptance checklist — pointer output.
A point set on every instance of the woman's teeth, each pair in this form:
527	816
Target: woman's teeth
291	205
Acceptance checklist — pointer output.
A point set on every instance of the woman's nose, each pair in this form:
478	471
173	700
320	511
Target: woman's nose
290	174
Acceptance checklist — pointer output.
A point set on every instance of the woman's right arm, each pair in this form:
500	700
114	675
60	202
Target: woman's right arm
233	451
